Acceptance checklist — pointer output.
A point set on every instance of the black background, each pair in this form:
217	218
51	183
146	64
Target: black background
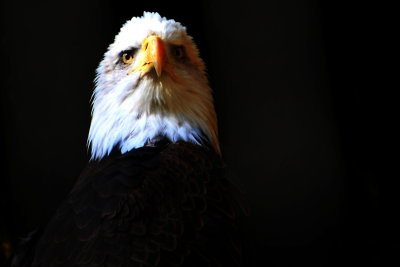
299	105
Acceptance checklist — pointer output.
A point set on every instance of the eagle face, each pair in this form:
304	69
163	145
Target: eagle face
151	83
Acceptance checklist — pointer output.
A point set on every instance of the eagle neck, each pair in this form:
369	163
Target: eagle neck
134	131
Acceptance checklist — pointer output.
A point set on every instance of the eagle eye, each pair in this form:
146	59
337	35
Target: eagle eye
178	51
127	56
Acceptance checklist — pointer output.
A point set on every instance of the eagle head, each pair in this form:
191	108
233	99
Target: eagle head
151	83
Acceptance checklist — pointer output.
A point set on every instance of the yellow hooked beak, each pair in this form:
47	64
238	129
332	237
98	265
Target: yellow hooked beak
151	55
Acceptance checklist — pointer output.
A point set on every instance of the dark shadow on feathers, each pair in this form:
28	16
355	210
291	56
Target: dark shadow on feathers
168	204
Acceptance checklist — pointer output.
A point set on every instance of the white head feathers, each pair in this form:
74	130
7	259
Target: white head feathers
131	107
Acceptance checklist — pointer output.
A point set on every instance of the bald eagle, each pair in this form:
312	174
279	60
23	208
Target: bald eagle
155	192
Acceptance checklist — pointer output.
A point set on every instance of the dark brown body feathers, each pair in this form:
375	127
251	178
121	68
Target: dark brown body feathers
168	205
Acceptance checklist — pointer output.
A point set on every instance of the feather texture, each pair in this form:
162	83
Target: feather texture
168	205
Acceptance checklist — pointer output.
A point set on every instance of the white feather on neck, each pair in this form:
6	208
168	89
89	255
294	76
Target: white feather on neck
130	117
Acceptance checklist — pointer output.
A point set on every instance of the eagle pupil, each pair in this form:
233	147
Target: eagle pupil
178	52
127	57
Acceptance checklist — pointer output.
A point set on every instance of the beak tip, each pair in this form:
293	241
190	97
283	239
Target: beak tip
158	69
